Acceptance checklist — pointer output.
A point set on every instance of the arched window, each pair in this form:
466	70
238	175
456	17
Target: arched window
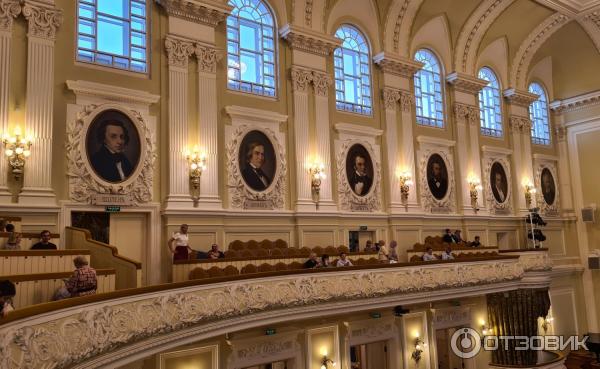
251	50
113	33
352	72
428	90
490	108
538	113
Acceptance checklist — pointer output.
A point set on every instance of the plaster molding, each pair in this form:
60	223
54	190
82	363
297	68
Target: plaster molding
255	115
111	93
390	97
83	181
208	56
591	24
542	163
301	78
308	13
354	129
466	83
321	83
560	132
9	10
397	65
519	97
407	101
364	332
467	114
403	26
435	141
504	207
575	103
178	50
496	150
570	7
43	20
258	350
309	41
473	32
429	202
520	124
528	48
208	12
545	157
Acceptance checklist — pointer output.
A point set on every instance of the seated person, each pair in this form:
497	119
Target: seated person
14	238
393	256
475	243
383	253
312	261
214	252
343	261
325	262
457	237
83	282
44	243
447	254
7	292
369	246
448	237
428	255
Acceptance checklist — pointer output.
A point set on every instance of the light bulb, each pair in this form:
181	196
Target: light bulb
18	130
19	150
409	183
13	140
323	366
8	152
194	166
418	347
26	153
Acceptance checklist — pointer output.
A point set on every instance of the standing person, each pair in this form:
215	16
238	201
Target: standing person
7	292
44	243
393	256
83	282
14	238
369	246
178	244
384	253
457	237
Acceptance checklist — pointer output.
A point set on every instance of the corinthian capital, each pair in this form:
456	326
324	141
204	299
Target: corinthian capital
9	9
407	101
43	21
321	82
520	124
390	97
208	57
179	51
466	113
301	79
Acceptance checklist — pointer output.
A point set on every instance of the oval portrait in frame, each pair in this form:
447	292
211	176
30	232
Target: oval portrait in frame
548	186
359	170
437	176
113	146
499	182
257	160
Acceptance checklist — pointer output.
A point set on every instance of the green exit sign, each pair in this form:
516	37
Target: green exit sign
270	331
112	209
363	228
375	315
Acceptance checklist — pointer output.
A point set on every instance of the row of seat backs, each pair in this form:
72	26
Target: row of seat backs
436	243
461	255
230	270
283	252
238	245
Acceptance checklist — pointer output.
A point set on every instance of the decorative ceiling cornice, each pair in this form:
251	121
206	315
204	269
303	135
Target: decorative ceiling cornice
570	7
576	103
519	97
397	65
466	83
307	40
209	12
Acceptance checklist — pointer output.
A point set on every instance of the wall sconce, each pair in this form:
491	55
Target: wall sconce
17	150
474	187
419	344
326	361
405	182
529	191
197	162
317	174
547	323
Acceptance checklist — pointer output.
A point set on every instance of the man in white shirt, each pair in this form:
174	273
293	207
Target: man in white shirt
428	255
447	254
343	261
384	253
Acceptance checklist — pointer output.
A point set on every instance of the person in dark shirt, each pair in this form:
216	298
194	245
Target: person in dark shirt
448	238
457	237
44	243
476	243
312	261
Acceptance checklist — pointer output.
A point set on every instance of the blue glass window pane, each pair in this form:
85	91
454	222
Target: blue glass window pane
138	9
85	55
137	53
112	35
428	90
138	24
85	42
86	11
86	27
249	37
117	8
138	39
538	113
249	67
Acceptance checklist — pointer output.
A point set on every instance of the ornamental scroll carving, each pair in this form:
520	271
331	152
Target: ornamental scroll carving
256	351
60	340
84	183
535	262
466	114
43	22
178	51
9	10
520	124
208	57
321	82
392	96
301	79
197	13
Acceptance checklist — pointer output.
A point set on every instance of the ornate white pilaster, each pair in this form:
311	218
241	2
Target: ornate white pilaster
321	82
520	126
391	97
9	9
43	21
178	50
407	151
301	79
208	57
564	179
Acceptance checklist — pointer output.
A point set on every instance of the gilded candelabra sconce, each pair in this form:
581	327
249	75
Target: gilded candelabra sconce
197	164
529	191
546	323
474	188
405	183
17	149
327	363
418	351
317	175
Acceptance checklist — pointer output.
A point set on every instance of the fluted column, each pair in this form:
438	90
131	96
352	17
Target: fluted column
43	23
208	57
564	178
9	9
321	82
391	96
300	84
178	50
468	121
407	150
